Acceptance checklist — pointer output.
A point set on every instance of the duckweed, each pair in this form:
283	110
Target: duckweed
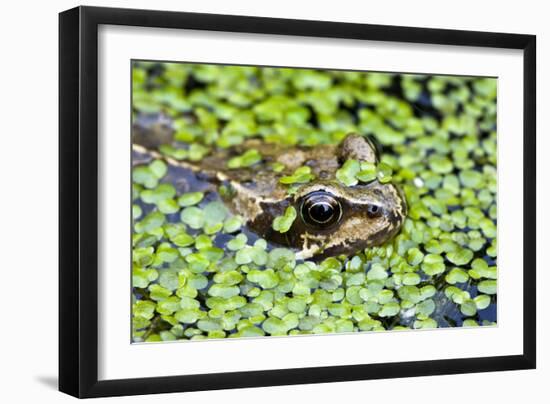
190	199
283	223
301	175
198	272
247	159
352	172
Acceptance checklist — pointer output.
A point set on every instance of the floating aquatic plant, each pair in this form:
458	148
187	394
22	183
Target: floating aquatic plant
352	172
199	273
247	159
301	175
283	223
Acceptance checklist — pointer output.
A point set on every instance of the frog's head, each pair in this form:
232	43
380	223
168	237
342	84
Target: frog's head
333	218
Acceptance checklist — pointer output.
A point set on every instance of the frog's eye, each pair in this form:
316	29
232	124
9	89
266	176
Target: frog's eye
373	210
320	209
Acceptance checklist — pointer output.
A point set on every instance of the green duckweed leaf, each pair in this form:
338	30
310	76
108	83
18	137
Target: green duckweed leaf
158	292
150	222
281	257
482	301
389	309
160	193
209	324
384	173
460	257
225	291
488	287
196	152
141	277
283	223
228	277
410	293
468	308
427	291
471	179
237	243
425	324
143	175
301	175
433	264
456	275
136	211
158	168
411	278
197	262
175	153
414	256
169	306
190	198
168	206
367	173
182	239
275	326
277	167
248	159
233	224
426	307
441	164
144	309
267	278
193	217
377	272
215	213
347	173
143	256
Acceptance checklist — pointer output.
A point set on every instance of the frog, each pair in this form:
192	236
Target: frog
331	218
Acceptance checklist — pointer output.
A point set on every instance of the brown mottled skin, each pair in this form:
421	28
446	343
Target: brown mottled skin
258	196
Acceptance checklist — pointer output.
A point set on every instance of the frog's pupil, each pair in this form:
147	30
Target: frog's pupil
321	212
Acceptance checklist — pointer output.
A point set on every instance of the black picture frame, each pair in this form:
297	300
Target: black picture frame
78	195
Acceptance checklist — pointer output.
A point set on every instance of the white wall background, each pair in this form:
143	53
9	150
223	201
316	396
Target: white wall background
28	198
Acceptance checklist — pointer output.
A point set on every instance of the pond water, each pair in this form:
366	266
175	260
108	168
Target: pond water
200	272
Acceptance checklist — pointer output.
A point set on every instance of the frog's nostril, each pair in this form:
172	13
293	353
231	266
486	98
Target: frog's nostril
373	210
